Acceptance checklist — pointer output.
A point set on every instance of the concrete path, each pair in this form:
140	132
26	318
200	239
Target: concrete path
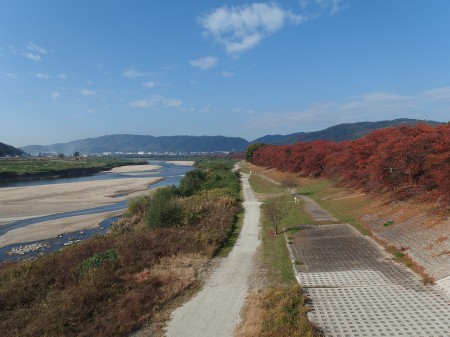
357	289
215	311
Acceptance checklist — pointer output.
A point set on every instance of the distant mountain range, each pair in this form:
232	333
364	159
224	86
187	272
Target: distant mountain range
8	150
339	132
135	143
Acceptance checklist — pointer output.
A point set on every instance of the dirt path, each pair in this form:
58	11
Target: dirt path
215	311
357	289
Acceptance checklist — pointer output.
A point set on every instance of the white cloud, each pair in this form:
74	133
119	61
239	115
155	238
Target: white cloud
55	95
45	76
34	52
376	106
86	92
36	48
240	28
315	8
135	73
9	76
227	74
156	100
32	57
204	63
244	111
150	84
438	94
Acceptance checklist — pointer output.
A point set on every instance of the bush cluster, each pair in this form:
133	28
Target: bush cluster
408	160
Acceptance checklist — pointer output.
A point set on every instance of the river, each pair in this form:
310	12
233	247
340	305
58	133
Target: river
171	174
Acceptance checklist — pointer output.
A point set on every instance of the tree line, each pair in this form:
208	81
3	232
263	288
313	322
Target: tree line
408	160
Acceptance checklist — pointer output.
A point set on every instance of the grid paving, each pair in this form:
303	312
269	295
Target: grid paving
428	247
357	289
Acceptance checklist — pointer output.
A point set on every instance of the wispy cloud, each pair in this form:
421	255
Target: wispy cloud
150	84
438	94
34	52
133	73
240	28
9	76
315	8
368	107
204	63
55	95
156	100
227	74
87	92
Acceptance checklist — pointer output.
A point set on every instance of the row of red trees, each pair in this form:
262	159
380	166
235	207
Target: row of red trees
407	159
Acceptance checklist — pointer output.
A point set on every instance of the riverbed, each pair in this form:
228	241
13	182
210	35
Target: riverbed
40	216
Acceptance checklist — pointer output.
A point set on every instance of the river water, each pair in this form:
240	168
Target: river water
171	173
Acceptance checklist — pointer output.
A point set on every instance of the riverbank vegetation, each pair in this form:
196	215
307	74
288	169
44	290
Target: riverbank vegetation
406	160
114	284
12	169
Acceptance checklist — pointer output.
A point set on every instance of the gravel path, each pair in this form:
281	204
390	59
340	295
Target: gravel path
357	289
215	311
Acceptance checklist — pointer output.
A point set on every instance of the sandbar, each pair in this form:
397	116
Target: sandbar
53	228
32	201
134	168
182	162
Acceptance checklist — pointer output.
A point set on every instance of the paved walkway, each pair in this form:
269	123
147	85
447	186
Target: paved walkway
215	311
357	289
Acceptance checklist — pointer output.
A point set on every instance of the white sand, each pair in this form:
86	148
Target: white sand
53	228
31	201
134	168
182	162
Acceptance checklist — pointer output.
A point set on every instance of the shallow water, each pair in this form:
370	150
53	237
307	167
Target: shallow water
171	173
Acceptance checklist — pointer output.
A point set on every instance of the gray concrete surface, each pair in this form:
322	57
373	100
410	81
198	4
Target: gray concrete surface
357	289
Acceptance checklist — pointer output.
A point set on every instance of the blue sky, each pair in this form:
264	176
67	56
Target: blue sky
76	69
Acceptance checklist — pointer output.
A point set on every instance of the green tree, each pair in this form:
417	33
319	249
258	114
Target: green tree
251	149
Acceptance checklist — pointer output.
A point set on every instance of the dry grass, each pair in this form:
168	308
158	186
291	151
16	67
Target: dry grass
53	296
278	311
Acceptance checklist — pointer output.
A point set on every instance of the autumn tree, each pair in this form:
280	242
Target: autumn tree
290	183
275	210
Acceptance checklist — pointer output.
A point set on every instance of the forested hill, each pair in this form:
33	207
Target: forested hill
8	150
135	143
339	132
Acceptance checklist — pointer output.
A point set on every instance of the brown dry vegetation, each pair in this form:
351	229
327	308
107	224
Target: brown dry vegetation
112	285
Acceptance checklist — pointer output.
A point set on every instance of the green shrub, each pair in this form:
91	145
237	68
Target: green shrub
192	182
138	205
164	209
108	257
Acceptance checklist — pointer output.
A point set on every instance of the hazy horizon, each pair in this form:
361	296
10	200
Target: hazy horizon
76	70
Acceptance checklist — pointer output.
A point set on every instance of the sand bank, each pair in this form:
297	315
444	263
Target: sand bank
134	168
182	162
31	201
53	228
